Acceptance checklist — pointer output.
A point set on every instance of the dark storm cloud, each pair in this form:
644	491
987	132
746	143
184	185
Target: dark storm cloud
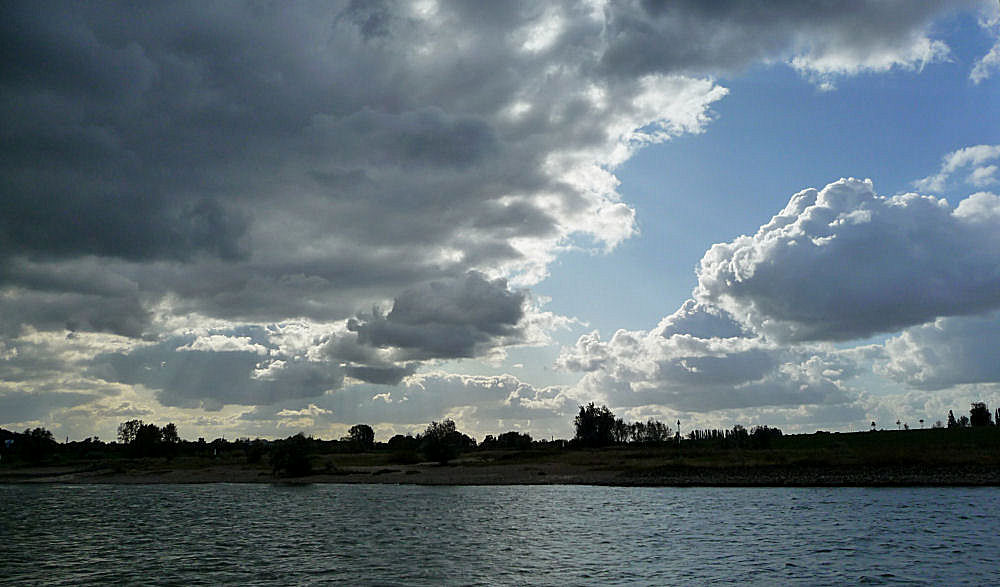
230	156
211	379
18	407
445	319
648	36
70	311
411	139
167	164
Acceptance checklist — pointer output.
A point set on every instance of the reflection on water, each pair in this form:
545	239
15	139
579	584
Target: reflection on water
551	535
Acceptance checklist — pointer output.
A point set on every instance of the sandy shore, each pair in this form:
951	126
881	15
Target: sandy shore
547	473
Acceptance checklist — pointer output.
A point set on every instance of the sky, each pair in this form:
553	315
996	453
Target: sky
256	219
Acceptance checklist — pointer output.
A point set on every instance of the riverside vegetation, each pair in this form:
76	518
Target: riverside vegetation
604	450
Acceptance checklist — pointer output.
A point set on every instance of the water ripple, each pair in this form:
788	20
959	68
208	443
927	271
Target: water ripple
545	535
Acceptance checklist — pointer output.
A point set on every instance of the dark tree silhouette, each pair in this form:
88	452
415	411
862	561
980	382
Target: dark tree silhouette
170	434
594	426
404	449
518	440
38	444
148	440
650	432
952	423
441	441
980	415
290	457
400	442
508	440
128	430
434	442
763	436
363	436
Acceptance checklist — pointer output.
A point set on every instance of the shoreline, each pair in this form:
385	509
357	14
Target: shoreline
549	473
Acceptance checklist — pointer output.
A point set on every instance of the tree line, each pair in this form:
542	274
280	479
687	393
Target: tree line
599	427
979	416
440	442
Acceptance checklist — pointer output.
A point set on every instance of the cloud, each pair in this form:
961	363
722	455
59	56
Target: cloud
227	215
445	319
839	263
945	353
211	367
218	343
974	157
843	263
669	366
310	410
700	321
21	407
479	404
821	40
275	186
823	63
183	376
988	64
983	176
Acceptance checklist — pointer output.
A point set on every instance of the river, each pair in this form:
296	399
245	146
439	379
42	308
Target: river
517	535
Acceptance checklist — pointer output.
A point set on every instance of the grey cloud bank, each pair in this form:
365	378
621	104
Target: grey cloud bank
211	197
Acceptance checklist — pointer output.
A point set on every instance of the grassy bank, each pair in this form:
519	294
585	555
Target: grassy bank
915	457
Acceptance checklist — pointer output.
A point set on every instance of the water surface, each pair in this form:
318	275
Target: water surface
539	535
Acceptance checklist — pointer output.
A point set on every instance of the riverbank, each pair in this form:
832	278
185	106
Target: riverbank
544	473
964	457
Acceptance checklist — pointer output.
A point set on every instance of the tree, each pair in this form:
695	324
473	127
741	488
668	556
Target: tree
980	415
657	432
400	442
763	436
513	440
651	432
290	457
38	444
952	423
363	436
128	430
441	441
594	426
147	441
170	434
620	431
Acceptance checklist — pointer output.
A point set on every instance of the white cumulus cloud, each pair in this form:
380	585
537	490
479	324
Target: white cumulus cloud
972	158
843	263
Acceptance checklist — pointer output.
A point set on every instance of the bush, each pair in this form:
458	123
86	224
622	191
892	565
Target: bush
290	457
441	441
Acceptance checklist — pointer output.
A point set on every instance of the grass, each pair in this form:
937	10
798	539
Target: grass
931	449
